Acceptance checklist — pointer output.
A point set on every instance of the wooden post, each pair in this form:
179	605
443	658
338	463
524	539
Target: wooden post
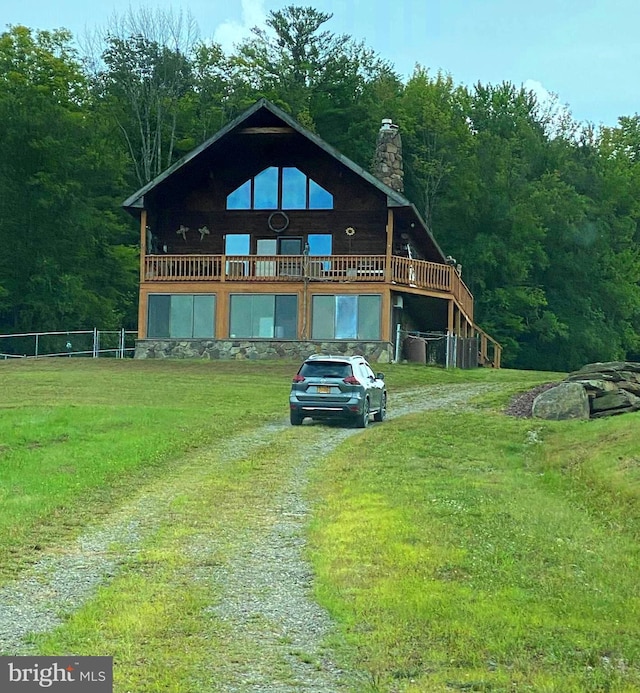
497	352
143	242
142	315
450	317
142	305
304	311
390	224
222	313
387	315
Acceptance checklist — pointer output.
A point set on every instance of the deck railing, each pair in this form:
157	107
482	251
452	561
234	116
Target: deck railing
418	274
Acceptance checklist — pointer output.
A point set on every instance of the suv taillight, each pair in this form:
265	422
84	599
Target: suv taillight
351	380
298	379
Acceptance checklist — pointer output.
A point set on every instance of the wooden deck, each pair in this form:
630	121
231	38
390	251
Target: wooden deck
403	272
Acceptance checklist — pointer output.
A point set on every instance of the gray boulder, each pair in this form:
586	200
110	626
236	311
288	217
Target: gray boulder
565	401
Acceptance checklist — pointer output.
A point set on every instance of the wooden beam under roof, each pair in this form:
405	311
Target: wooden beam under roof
274	130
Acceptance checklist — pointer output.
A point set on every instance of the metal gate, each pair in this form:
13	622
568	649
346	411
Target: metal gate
437	349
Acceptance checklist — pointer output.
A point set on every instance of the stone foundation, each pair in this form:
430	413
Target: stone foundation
229	349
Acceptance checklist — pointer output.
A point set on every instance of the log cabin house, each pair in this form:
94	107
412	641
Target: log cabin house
265	241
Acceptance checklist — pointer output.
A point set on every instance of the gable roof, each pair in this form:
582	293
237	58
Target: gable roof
394	198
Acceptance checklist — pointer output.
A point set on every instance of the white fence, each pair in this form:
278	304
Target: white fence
88	343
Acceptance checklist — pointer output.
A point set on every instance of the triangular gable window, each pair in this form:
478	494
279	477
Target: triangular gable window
319	198
280	188
240	198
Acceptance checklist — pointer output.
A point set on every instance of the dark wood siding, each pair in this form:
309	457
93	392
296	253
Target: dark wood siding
369	236
203	202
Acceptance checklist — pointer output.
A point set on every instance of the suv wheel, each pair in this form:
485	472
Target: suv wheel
363	420
295	417
382	414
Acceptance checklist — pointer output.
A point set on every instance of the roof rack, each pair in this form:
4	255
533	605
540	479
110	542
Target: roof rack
344	357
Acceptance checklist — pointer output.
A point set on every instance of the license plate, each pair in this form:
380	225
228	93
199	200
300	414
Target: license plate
324	389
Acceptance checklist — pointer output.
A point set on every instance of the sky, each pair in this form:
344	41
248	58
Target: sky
585	52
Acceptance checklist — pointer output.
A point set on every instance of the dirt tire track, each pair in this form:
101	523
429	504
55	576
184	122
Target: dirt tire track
266	589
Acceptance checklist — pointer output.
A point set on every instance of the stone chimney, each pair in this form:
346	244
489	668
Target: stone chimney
387	161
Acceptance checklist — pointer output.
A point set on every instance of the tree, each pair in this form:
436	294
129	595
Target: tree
290	56
439	148
210	103
64	263
144	74
328	82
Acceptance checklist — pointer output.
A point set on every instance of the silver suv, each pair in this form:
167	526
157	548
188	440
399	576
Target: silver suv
337	387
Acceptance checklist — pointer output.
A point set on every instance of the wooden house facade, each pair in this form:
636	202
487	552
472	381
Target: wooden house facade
265	241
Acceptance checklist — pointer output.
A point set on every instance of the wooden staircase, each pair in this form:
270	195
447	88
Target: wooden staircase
490	351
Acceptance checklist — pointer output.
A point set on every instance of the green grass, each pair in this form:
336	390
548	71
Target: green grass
477	558
76	435
455	551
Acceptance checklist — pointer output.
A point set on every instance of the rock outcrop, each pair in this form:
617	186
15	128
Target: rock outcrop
609	388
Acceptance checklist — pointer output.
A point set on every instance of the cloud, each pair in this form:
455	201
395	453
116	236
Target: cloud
543	95
232	32
550	104
548	100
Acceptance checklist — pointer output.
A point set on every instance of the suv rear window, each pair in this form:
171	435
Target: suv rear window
325	369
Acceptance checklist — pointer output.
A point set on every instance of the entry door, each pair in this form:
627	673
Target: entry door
290	246
237	244
266	246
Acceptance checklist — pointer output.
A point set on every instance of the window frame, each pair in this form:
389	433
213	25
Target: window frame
312	190
169	319
276	315
339	321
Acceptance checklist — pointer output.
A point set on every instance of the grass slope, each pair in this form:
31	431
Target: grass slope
78	435
455	551
477	552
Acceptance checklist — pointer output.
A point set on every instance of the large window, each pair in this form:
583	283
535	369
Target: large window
181	316
265	316
280	188
346	316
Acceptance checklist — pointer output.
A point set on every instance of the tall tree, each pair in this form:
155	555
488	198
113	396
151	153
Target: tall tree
507	237
144	73
439	148
289	56
65	264
327	81
210	103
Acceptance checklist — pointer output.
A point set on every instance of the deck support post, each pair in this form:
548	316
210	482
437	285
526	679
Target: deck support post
142	304
390	225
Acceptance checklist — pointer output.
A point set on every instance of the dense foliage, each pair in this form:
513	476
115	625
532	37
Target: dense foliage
541	211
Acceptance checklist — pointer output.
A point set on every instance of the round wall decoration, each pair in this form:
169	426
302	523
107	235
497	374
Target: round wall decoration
350	231
278	221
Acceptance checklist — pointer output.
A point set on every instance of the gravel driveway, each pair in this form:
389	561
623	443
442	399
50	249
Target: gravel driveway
266	590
